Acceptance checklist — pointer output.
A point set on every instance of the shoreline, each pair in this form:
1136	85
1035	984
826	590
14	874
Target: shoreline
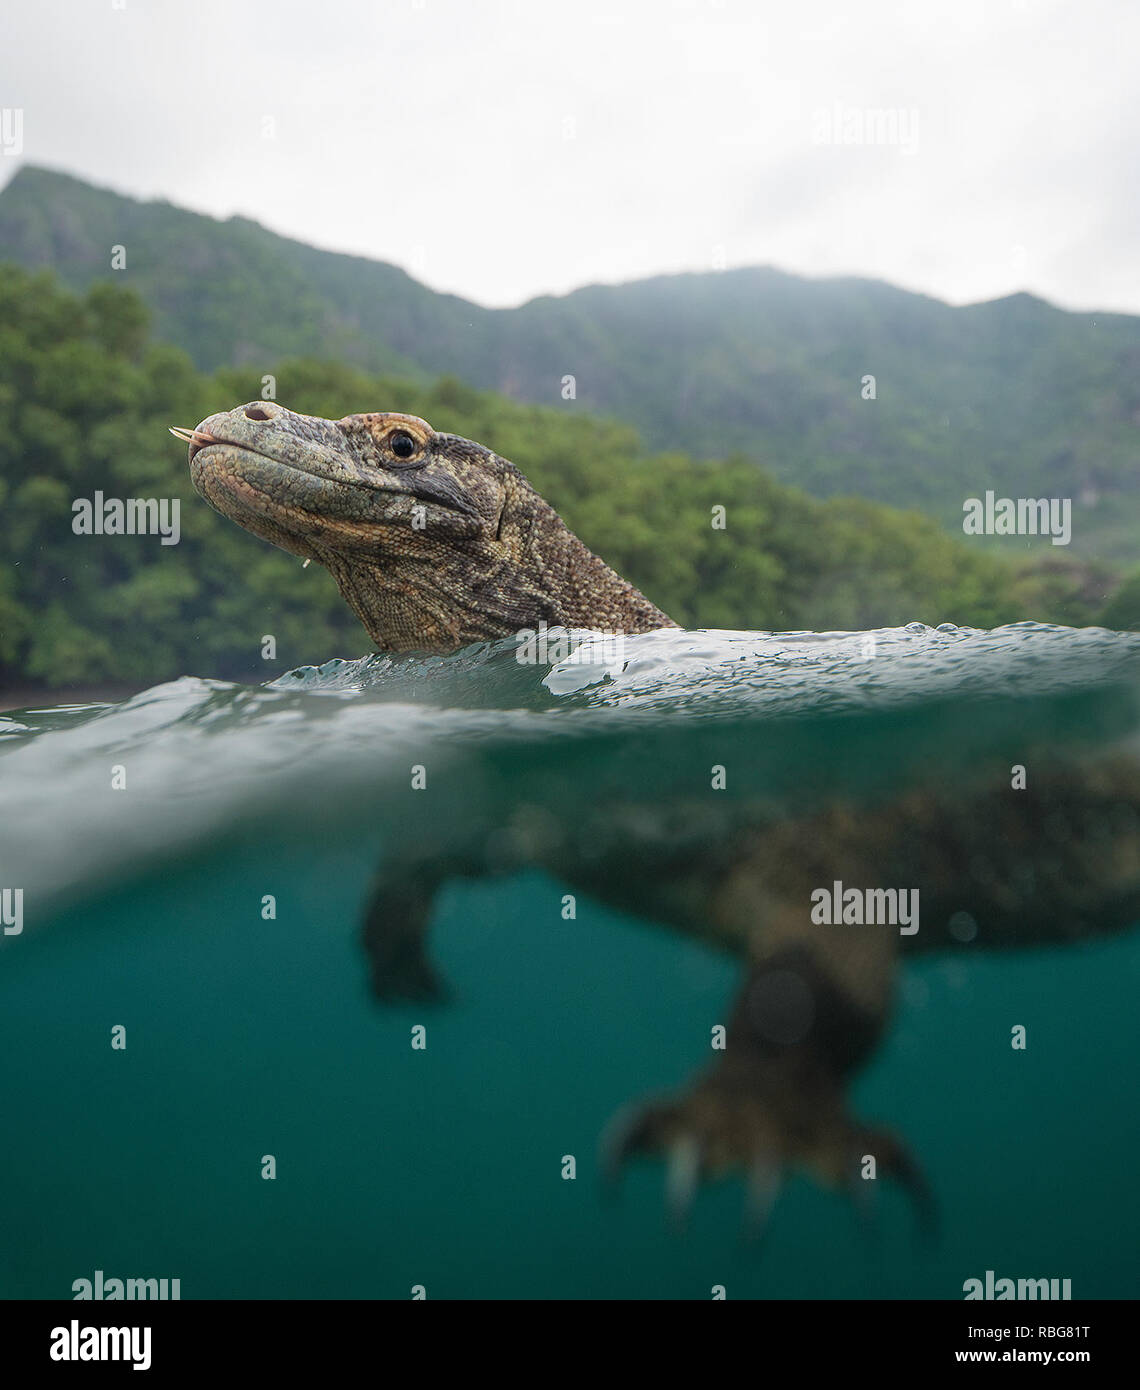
26	697
96	692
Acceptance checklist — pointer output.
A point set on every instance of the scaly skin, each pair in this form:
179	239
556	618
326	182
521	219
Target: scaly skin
446	546
1053	863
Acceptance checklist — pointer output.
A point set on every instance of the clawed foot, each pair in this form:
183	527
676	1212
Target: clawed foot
713	1130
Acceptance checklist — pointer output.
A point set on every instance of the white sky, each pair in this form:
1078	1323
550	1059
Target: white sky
502	149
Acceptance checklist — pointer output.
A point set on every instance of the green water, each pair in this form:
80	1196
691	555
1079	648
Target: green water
443	1167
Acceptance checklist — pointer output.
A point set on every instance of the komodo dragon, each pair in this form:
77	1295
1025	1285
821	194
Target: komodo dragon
436	542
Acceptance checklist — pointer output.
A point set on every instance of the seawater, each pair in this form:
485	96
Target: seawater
442	1167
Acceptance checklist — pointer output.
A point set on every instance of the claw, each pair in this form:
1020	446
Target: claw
763	1190
897	1162
691	1137
682	1176
628	1133
926	1209
862	1193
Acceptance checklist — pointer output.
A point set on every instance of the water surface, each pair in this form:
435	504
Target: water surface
143	907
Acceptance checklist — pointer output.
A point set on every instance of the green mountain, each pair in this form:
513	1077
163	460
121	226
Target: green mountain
1014	395
85	401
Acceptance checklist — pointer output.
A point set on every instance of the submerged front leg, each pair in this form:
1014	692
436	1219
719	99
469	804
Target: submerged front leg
394	933
402	899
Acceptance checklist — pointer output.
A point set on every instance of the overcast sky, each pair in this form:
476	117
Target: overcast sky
506	148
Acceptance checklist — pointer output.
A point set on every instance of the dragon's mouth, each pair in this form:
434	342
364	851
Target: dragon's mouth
272	451
199	439
284	479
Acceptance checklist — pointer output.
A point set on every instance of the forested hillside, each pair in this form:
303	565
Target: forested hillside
85	400
1014	395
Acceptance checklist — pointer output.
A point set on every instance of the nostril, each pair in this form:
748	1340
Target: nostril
257	412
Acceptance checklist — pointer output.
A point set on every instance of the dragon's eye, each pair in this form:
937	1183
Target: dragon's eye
402	444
